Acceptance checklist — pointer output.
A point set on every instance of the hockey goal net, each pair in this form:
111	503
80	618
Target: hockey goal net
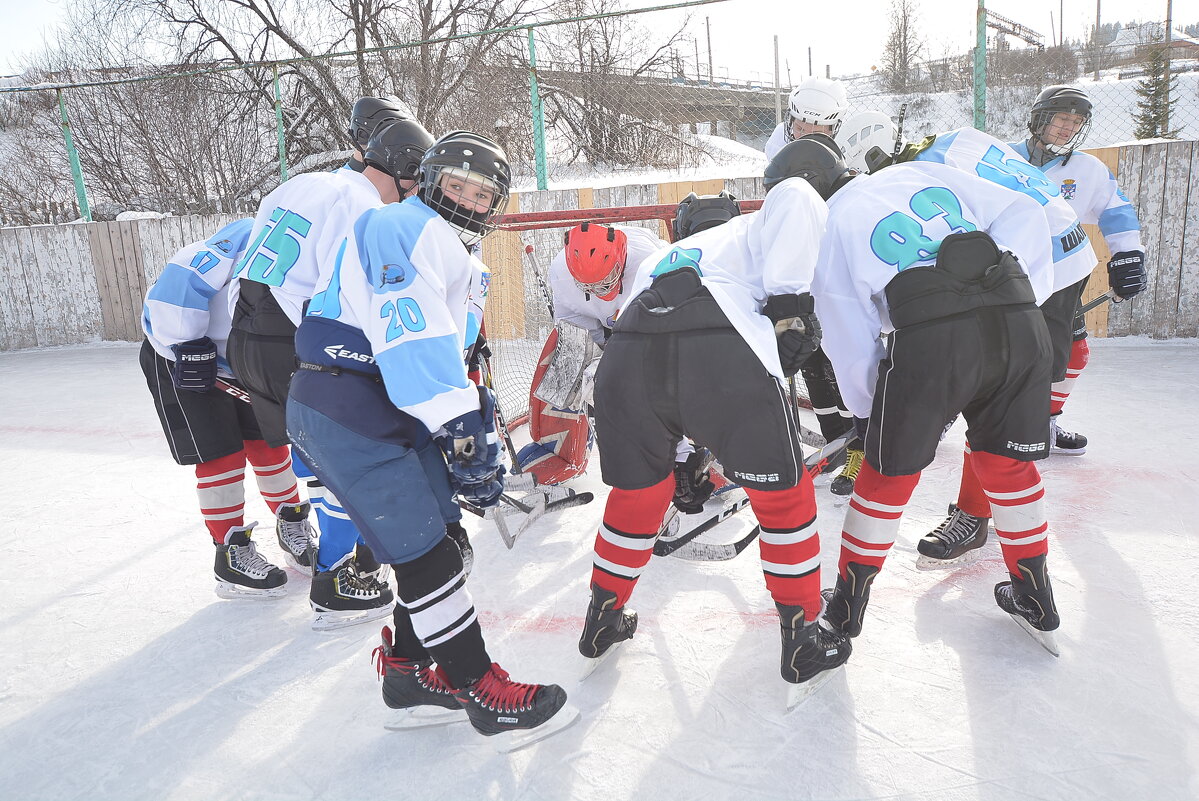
518	314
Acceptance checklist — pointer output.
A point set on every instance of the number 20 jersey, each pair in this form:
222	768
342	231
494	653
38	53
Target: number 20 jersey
983	155
299	231
882	224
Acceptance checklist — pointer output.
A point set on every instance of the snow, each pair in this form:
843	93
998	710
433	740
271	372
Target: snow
122	676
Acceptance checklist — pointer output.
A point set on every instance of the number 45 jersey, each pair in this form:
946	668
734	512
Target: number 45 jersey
894	220
983	155
299	230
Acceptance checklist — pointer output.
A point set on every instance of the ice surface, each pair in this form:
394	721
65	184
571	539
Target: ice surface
122	676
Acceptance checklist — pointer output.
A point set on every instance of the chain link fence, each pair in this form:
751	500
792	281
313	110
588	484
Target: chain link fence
217	136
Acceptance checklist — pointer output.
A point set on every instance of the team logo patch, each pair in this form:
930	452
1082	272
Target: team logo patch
677	259
1068	188
224	246
397	276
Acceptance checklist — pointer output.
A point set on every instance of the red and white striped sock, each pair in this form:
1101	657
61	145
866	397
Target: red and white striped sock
626	538
790	545
1080	354
220	486
971	498
1018	506
272	470
872	522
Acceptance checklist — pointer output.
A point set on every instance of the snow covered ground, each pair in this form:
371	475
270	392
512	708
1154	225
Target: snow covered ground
122	676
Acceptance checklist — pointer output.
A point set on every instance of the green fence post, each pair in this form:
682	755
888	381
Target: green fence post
85	210
980	68
538	116
279	127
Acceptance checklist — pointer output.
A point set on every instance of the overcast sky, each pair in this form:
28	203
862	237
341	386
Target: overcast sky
848	36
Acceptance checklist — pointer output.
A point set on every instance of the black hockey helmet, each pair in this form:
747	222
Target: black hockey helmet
397	148
1057	100
812	158
369	113
700	212
471	158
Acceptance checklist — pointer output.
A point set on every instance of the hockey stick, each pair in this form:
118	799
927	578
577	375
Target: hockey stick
668	547
816	462
229	389
1099	301
717	552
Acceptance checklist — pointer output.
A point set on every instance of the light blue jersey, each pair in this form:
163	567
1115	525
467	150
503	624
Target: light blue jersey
195	293
985	156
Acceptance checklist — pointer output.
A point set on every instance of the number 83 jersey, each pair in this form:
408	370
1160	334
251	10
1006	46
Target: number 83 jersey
298	231
894	220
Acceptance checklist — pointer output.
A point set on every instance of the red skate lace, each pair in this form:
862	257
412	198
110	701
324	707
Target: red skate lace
429	677
498	693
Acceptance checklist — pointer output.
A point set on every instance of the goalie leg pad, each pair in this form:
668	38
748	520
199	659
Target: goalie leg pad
561	444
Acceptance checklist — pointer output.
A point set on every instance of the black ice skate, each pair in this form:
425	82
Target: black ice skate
604	628
521	714
810	654
957	541
241	572
845	604
296	536
347	594
842	485
1028	598
1066	442
417	690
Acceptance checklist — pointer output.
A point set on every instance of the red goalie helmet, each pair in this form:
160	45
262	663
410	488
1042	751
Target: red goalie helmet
595	256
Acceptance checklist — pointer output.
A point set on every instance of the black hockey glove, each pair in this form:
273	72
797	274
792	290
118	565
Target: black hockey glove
796	327
472	450
1126	273
195	365
692	486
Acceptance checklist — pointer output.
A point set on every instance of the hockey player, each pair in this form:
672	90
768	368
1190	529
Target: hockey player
382	401
1058	122
298	234
959	537
714	326
586	279
368	115
186	322
923	253
817	105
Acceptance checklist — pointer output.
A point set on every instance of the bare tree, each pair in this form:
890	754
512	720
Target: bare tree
905	47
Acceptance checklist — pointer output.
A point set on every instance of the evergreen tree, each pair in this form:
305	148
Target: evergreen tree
1158	96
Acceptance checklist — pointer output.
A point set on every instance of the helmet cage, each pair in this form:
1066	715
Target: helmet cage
1041	120
471	158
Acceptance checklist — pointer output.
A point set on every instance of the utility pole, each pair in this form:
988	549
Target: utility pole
778	90
708	22
1169	24
1097	53
809	62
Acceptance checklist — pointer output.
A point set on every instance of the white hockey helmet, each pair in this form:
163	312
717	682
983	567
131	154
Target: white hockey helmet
817	101
863	131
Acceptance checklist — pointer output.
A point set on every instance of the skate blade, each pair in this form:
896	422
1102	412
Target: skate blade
798	693
564	718
590	665
423	717
296	565
329	620
930	563
1045	639
232	592
1064	452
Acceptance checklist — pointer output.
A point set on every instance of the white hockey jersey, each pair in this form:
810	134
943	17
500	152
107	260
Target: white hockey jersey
881	224
193	296
985	156
1091	190
749	258
573	305
399	301
299	230
778	138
